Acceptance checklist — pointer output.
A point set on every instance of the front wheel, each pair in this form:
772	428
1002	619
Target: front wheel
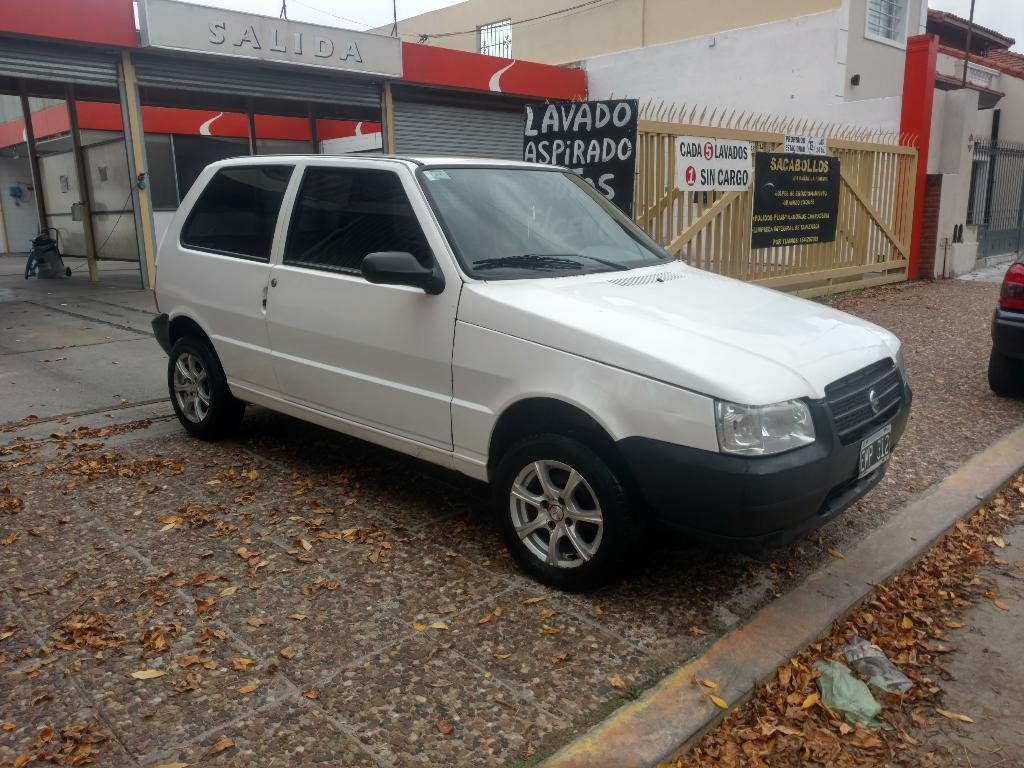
1005	375
199	391
564	513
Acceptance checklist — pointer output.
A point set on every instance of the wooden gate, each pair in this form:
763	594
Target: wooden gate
711	230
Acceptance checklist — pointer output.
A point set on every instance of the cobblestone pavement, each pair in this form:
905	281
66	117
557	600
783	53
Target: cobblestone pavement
295	597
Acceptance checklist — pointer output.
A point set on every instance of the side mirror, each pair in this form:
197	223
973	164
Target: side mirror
401	268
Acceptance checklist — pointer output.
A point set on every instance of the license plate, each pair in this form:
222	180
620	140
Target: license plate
875	450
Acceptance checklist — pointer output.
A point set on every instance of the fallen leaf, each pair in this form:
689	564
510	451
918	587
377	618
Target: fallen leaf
906	623
954	715
439	625
171	765
5	635
710	684
444	728
311	693
258	622
998	541
286	653
148	674
810	701
241	663
297	617
548	630
418	626
533	600
617	682
222	743
1001	605
718	701
248	688
836	553
228	591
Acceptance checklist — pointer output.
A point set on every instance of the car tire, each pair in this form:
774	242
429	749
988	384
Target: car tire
576	539
1005	375
199	390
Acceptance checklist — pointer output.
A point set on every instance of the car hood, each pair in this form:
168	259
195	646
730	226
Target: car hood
690	328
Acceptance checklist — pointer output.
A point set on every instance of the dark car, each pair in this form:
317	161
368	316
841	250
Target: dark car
1006	363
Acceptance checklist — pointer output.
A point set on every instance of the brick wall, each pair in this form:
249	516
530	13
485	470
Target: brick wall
930	225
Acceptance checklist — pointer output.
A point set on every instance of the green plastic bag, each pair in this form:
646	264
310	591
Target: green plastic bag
842	692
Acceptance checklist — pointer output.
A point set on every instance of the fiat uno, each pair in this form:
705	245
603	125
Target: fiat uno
504	320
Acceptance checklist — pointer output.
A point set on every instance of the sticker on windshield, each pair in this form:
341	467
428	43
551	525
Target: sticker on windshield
436	175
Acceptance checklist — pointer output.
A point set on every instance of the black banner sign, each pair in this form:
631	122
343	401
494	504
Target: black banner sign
597	139
796	199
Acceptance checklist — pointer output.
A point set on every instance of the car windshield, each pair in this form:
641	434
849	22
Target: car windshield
514	223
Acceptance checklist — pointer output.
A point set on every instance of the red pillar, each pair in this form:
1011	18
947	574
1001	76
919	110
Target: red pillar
916	118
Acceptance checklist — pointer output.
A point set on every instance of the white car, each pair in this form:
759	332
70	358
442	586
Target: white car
505	320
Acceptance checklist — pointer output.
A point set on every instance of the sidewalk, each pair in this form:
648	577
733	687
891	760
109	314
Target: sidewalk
985	676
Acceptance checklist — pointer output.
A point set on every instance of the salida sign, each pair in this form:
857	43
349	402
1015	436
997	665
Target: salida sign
713	165
596	139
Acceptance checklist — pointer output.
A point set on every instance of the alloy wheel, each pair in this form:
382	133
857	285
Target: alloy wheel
556	514
191	387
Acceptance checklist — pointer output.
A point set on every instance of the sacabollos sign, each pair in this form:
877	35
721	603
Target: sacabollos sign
596	139
796	200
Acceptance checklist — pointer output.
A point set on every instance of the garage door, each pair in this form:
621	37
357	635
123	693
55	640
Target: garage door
442	129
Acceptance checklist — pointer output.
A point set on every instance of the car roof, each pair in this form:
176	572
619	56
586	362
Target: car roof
410	160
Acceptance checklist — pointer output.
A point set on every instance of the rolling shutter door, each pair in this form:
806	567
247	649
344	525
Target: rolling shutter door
435	129
236	79
60	63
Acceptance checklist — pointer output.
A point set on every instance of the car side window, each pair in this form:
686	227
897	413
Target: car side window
343	214
236	213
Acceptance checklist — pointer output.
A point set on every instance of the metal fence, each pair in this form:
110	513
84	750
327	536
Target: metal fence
712	230
996	202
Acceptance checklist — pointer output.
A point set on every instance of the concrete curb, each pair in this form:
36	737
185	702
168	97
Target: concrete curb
674	713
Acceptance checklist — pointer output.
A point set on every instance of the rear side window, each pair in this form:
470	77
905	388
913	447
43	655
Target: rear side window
343	214
237	211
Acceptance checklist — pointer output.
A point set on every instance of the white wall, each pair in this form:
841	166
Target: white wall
950	154
20	221
793	67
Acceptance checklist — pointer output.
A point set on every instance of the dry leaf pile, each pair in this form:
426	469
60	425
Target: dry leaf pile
909	618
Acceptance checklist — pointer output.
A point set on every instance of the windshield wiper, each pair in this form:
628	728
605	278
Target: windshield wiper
538	262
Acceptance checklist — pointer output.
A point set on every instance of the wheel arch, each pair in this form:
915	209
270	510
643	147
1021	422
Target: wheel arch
180	326
535	415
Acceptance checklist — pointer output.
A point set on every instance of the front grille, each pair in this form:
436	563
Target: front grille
849	400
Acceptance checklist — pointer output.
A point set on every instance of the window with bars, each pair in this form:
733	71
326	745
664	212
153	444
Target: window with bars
886	21
495	39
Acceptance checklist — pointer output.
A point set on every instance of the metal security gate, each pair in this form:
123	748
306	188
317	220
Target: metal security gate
225	77
446	129
996	203
57	63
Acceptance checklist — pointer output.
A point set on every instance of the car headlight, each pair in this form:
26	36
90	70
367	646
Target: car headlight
901	364
760	430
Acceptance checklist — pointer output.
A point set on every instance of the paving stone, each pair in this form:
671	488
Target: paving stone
300	734
417	703
544	648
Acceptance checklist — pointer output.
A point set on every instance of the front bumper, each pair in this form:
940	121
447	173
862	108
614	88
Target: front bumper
751	503
162	331
1008	333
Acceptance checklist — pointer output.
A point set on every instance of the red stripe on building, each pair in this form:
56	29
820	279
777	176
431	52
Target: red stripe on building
106	22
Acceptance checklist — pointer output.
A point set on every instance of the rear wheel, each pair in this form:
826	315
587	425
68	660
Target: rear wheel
199	390
1005	375
564	513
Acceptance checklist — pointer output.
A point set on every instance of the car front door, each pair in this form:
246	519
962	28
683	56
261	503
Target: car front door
224	266
379	356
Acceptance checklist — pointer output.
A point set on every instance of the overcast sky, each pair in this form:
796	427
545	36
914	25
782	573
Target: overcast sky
1005	16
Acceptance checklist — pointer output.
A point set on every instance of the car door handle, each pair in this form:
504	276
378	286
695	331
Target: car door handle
273	282
264	299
